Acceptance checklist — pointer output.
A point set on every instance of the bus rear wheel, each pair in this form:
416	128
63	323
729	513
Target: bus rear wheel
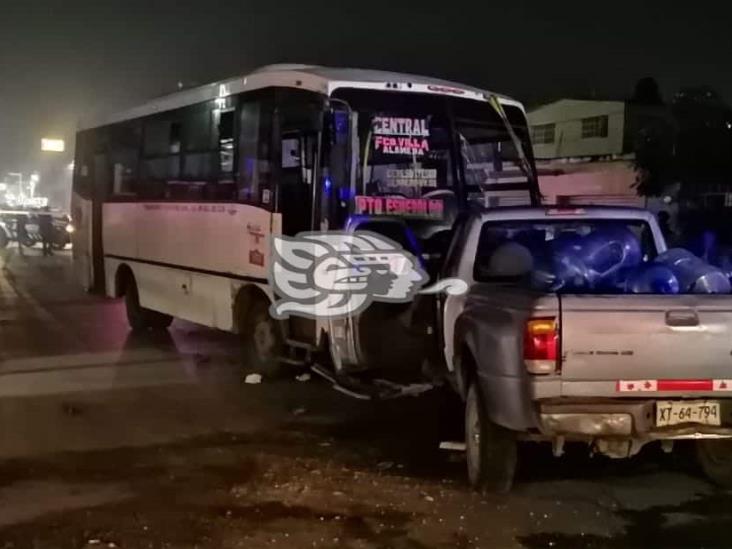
262	341
140	318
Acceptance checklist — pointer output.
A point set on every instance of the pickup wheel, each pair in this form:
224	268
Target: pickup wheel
490	449
715	459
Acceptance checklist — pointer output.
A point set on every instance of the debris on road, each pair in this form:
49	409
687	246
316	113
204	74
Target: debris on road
253	379
453	446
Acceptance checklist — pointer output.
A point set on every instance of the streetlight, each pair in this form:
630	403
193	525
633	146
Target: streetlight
51	144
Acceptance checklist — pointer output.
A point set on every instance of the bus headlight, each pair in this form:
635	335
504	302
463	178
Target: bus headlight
70	228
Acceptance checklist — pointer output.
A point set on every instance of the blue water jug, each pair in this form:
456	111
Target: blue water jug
652	279
694	275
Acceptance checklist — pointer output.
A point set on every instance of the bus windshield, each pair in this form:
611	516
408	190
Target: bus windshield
420	156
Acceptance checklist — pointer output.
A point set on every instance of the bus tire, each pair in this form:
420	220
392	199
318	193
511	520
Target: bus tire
715	459
140	318
262	341
490	449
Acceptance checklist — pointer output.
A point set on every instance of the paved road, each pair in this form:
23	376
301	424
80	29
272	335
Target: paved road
110	440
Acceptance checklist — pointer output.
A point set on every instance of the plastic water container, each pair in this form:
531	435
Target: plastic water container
608	250
693	274
651	279
560	272
713	281
594	261
675	256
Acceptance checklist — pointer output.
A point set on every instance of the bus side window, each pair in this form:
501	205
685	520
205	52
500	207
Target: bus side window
161	152
124	151
225	187
255	149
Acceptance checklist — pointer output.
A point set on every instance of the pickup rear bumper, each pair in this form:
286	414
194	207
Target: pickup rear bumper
621	418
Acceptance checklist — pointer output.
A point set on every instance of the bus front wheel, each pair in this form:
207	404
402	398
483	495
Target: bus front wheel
140	318
262	341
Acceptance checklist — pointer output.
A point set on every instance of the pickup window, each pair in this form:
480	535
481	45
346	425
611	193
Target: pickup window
508	251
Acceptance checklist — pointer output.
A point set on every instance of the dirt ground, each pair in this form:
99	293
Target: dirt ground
108	440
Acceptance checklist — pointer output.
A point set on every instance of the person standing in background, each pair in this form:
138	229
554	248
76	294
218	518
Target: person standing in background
45	226
664	223
21	233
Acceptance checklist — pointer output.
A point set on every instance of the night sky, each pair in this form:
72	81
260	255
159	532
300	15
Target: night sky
63	60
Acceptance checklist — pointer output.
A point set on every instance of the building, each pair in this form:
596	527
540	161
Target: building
585	149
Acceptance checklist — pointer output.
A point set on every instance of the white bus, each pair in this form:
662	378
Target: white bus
174	202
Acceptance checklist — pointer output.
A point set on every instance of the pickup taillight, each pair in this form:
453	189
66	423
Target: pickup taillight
541	345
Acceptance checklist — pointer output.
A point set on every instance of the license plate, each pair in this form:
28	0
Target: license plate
705	412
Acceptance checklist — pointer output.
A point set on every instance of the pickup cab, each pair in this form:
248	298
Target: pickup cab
614	371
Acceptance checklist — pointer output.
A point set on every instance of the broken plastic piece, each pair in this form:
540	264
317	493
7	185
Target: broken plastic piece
253	379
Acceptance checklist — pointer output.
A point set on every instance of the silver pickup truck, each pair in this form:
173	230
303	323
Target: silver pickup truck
613	371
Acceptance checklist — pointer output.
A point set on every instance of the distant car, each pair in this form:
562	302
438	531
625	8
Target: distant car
62	231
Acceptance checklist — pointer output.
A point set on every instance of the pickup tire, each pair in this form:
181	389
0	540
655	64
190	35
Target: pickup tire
490	449
715	459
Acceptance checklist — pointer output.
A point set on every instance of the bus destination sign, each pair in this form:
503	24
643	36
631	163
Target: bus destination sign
412	208
401	136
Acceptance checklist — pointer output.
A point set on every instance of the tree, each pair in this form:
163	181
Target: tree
655	164
653	132
704	143
647	92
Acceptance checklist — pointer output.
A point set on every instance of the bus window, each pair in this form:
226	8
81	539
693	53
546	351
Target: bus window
225	128
419	157
161	152
199	149
124	152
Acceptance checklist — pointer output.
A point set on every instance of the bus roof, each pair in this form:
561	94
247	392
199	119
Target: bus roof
315	78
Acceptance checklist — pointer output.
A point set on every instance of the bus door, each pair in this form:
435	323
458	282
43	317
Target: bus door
92	176
297	123
102	179
81	209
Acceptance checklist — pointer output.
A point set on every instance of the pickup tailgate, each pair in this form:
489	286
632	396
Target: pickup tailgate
670	344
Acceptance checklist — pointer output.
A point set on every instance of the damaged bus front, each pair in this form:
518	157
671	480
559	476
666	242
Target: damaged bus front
405	164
